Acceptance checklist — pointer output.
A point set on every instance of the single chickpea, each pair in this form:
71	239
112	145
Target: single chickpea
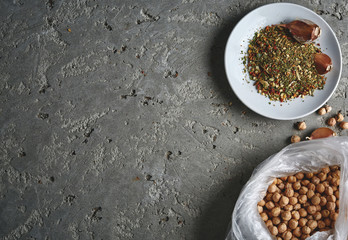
331	122
262	203
325	213
322	176
288	207
339	117
302	212
269	223
288	185
309	175
293	200
297	206
337	173
325	170
275	211
317	216
334	188
269	205
296	194
322	111
293	224
320	188
299	175
286	215
311	186
292	179
284	178
282	227
327	221
321	224
329	178
268	197
328	190
303	190
284	201
301	126
305	236
323	201
276	196
312	224
287	235
331	198
273	230
315	200
276	220
306	204
338	203
289	192
302	199
260	209
278	181
335	182
328	108
334	167
315	180
306	230
296	185
310	194
333	216
302	222
305	182
311	209
264	216
295	215
297	232
330	206
318	208
310	217
326	184
272	188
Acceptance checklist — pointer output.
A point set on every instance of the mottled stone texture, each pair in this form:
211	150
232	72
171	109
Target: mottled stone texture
117	121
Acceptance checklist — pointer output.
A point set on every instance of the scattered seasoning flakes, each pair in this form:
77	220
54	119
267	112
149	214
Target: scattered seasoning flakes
136	179
282	68
69	29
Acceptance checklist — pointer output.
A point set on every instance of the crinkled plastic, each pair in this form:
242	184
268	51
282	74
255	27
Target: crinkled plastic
305	156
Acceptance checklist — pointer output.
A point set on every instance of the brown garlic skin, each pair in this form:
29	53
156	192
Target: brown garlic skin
303	31
322	63
322	132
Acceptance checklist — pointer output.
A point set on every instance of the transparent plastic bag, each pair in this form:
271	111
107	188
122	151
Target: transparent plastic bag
305	156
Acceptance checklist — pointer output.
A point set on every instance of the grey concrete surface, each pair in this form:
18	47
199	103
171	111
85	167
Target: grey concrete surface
117	121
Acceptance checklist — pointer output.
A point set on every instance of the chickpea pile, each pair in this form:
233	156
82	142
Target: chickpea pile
295	207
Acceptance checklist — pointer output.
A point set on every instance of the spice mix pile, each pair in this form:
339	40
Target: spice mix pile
282	67
295	207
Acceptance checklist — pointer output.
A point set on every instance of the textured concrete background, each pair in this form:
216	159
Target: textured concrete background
117	121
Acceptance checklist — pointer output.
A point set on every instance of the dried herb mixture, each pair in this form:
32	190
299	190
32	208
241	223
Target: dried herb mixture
281	67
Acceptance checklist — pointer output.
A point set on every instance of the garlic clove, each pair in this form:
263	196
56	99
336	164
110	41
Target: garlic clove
303	30
322	132
322	63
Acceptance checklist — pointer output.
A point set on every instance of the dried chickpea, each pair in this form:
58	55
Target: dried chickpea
337	203
297	206
322	176
329	190
331	198
317	216
312	224
337	194
311	186
333	216
318	208
330	206
325	170
302	212
293	200
335	181
288	185
328	108
302	199
305	236
269	205
306	230
305	182
281	186
297	232
295	215
310	194
260	209
293	223
331	121
299	175
325	183
272	188
262	203
275	211
264	216
334	188
296	194
284	201
276	196
289	192
322	111
292	179
315	180
269	223
273	230
309	175
276	220
287	235
311	209
302	222
321	224
323	201
327	221
296	185
310	217
301	126
288	207
325	213
282	227
286	215
339	117
284	178
303	190
320	188
315	200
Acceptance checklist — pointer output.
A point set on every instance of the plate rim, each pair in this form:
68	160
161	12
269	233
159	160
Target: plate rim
258	111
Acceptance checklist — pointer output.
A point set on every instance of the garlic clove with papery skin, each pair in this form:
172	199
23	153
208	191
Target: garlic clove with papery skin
322	63
303	30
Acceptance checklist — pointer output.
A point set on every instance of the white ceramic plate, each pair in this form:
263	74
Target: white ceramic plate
243	87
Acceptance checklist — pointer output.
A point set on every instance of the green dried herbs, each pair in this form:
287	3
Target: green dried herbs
281	67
